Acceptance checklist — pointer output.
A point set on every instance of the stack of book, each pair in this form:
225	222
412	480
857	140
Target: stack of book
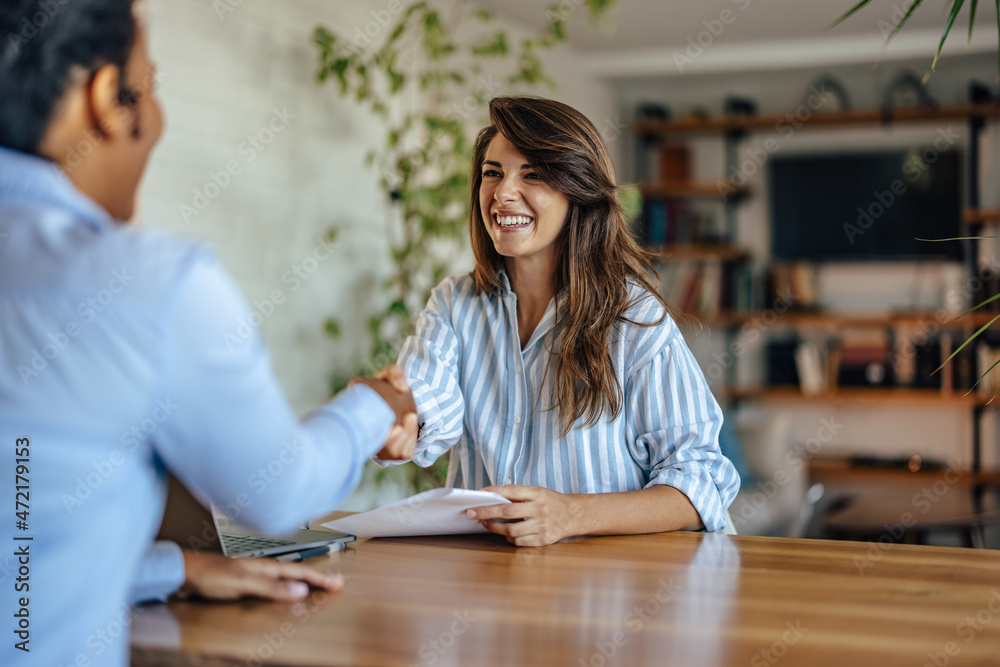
863	358
709	287
793	284
667	222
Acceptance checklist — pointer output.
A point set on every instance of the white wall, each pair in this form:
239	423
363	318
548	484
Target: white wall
941	432
222	77
221	80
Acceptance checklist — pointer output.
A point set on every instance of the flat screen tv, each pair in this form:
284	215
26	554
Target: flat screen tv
866	205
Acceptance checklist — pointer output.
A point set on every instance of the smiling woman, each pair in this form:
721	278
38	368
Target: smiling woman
555	367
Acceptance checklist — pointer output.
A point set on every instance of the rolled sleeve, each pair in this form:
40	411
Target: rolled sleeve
160	573
678	422
430	361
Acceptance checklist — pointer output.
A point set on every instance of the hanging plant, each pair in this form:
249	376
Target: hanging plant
428	82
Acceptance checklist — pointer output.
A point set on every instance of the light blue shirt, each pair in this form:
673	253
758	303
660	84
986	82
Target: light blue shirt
116	361
476	390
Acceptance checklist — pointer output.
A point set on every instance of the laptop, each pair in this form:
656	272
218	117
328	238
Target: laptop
189	524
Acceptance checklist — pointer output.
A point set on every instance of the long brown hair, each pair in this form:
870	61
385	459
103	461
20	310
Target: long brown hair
597	254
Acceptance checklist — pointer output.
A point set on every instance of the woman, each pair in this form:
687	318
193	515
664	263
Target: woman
555	367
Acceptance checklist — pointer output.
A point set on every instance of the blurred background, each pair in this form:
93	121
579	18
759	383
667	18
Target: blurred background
782	171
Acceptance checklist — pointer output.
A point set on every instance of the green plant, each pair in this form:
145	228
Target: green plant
426	80
981	329
956	7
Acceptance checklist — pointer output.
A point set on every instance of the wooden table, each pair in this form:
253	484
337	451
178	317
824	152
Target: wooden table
668	599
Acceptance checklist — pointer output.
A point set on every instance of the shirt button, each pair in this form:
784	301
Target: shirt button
517	419
507	481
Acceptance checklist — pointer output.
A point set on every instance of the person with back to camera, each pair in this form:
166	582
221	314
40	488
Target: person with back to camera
553	372
104	327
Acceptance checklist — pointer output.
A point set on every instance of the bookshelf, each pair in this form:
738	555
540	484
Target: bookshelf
834	320
737	314
833	119
972	216
689	190
723	252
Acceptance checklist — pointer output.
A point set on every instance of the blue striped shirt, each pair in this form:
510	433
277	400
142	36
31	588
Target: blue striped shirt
476	388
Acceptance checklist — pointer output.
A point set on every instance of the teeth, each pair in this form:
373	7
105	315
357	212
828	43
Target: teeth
512	220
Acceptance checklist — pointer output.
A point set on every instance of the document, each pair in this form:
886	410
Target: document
434	512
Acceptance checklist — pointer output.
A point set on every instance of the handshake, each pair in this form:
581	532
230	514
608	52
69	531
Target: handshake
391	385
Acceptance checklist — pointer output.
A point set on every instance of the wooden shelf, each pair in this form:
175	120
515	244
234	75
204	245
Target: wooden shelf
724	252
858	395
844	470
827	320
971	216
720	124
693	189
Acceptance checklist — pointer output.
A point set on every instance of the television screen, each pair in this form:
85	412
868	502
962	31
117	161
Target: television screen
866	206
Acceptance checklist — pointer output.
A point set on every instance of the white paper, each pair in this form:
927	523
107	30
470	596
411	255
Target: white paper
434	512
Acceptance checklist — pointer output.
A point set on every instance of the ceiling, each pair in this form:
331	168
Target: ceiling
774	33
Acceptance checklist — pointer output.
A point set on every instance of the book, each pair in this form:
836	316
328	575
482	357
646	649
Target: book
711	289
864	357
811	367
986	356
656	222
690	299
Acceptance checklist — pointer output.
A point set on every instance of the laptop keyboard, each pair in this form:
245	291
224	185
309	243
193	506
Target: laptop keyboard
240	543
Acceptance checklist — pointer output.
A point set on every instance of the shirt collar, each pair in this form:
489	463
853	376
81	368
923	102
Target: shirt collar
505	286
30	180
548	319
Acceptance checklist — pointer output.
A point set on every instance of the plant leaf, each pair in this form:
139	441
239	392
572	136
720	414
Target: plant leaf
955	7
906	17
397	33
850	13
998	28
985	373
972	16
967	341
960	238
332	327
979	305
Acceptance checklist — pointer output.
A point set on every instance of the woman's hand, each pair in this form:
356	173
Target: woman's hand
535	517
217	577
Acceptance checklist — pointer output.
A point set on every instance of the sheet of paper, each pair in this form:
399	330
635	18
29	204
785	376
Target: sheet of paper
434	512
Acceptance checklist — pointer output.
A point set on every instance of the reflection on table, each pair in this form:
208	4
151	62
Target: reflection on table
675	598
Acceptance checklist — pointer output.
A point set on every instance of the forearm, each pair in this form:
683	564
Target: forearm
231	436
655	509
